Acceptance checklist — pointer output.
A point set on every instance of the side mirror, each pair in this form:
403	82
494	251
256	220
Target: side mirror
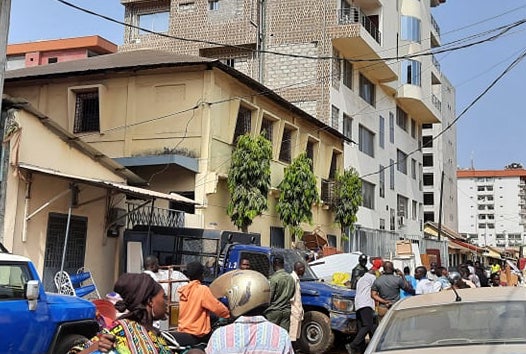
32	293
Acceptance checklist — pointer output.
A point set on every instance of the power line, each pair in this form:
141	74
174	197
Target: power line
501	30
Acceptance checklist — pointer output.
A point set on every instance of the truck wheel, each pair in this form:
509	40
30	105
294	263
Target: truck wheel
316	333
69	341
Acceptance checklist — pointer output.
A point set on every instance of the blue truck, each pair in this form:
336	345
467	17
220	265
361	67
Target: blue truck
329	310
34	321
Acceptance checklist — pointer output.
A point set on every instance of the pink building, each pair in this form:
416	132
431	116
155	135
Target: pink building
23	55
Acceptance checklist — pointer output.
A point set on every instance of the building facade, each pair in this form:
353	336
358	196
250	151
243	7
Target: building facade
23	55
492	206
331	59
173	120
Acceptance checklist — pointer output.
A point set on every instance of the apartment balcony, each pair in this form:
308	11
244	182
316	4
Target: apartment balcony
356	35
435	33
436	74
425	110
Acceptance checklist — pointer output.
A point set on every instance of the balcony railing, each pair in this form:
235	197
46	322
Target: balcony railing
352	15
436	102
435	25
435	62
144	215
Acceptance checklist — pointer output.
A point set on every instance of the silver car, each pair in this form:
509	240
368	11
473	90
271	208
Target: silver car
482	320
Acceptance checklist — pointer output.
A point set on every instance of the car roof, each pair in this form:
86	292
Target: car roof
12	257
499	294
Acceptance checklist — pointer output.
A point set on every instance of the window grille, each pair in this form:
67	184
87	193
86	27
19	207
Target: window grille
244	122
285	153
86	112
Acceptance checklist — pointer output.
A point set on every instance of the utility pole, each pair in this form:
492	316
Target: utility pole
5	12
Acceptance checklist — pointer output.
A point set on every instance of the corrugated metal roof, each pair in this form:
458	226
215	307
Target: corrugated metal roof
123	188
70	139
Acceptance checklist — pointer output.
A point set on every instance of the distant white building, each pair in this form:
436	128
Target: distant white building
492	206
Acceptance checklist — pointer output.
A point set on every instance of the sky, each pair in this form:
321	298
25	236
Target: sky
489	136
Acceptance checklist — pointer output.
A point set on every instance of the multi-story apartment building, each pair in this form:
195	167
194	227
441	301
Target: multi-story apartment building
24	55
492	206
343	62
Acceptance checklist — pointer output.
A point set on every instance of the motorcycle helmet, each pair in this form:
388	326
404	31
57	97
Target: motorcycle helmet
244	289
362	259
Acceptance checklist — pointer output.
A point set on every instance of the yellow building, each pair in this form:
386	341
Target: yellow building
172	120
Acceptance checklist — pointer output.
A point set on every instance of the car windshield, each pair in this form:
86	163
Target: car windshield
455	324
292	256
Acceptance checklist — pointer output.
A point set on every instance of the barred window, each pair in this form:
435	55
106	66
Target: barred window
267	128
244	122
285	153
87	112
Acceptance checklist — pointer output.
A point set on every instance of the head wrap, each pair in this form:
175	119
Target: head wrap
136	291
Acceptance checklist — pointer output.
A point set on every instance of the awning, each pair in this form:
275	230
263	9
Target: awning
491	254
137	192
467	245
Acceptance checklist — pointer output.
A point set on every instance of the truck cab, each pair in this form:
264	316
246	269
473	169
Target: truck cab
34	321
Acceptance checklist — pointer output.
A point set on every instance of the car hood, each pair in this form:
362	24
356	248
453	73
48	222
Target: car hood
70	308
319	288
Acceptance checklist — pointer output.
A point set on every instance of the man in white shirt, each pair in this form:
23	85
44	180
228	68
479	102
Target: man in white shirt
364	305
296	309
425	285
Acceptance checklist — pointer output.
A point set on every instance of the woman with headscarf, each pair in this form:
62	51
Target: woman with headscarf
143	301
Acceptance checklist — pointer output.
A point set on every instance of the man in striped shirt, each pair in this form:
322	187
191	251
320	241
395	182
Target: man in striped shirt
248	294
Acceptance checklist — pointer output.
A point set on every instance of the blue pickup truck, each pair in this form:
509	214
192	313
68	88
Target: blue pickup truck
329	310
33	321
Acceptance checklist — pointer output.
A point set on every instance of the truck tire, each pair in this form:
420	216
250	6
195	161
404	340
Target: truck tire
317	336
69	341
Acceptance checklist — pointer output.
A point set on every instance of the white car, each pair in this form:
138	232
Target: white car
481	320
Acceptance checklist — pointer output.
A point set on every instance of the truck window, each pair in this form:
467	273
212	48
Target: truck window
13	278
258	262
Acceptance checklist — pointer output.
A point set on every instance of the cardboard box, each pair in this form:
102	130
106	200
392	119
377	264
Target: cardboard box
403	248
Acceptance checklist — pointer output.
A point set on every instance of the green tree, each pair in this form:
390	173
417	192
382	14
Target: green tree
298	192
348	198
249	180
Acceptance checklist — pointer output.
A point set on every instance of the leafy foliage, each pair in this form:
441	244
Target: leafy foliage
348	198
298	192
249	180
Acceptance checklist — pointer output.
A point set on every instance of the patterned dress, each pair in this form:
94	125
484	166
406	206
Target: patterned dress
132	338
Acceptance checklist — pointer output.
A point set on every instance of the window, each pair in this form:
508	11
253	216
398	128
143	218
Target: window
413	168
367	195
401	161
413	128
427	141
366	141
87	112
311	152
52	60
429	199
391	127
411	72
334	165
156	22
414	210
429	179
427	160
391	174
243	123
347	73
427	126
429	216
267	128
401	118
382	181
213	5
13	279
335	115
347	126
285	152
367	90
403	205
382	224
410	30
381	130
